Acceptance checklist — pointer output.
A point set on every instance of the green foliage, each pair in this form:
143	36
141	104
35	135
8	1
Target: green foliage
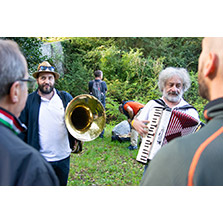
30	46
181	52
113	115
110	62
177	51
80	61
74	81
140	83
130	66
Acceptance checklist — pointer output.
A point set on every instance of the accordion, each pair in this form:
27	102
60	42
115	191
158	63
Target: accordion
164	125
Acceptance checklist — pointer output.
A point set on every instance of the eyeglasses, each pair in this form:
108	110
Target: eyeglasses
30	82
45	68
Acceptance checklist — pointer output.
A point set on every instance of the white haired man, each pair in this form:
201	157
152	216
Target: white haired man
173	82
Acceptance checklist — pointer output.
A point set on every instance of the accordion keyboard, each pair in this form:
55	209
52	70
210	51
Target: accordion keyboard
147	140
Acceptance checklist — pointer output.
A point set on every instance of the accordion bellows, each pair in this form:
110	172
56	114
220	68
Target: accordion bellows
164	126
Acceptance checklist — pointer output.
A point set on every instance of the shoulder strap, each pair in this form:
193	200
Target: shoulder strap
162	103
185	107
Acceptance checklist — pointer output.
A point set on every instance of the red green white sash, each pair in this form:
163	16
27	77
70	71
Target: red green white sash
11	121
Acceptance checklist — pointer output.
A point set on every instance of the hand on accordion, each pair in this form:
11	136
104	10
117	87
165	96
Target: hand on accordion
140	126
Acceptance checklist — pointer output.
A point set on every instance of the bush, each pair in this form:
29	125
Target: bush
31	50
130	68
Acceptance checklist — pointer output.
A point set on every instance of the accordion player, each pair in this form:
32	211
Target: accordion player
164	125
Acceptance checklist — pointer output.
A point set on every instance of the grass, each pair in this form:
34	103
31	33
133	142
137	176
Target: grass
105	163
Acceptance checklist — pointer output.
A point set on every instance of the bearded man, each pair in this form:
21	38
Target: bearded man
44	117
173	83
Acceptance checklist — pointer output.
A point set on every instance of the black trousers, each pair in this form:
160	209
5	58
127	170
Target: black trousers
61	169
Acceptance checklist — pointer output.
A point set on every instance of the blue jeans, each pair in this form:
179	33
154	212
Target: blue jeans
102	134
61	169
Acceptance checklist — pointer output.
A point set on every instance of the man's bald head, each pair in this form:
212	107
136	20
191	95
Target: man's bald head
210	68
213	44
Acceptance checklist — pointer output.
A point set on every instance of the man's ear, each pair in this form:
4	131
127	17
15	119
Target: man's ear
211	65
14	92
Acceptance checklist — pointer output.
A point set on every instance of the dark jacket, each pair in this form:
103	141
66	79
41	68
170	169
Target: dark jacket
196	159
103	89
22	165
30	117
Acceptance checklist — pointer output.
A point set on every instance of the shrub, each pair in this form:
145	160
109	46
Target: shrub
129	74
31	50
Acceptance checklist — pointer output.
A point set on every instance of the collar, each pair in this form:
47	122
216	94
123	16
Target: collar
213	103
44	98
213	107
9	120
181	103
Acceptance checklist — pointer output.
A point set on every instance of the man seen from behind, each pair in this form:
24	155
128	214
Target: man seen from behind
20	164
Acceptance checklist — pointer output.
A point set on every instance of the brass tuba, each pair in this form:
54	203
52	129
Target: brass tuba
85	117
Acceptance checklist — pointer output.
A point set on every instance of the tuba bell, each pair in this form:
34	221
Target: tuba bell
85	117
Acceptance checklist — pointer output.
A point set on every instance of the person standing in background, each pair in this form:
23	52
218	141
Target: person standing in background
98	88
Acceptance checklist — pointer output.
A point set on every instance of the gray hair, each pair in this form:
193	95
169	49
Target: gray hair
172	71
13	65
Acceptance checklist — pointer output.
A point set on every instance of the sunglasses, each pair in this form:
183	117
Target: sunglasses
45	68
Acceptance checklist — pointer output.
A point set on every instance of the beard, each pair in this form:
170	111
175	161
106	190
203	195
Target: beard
173	97
203	89
46	89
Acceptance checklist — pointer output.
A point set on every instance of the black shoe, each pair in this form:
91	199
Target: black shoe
132	147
